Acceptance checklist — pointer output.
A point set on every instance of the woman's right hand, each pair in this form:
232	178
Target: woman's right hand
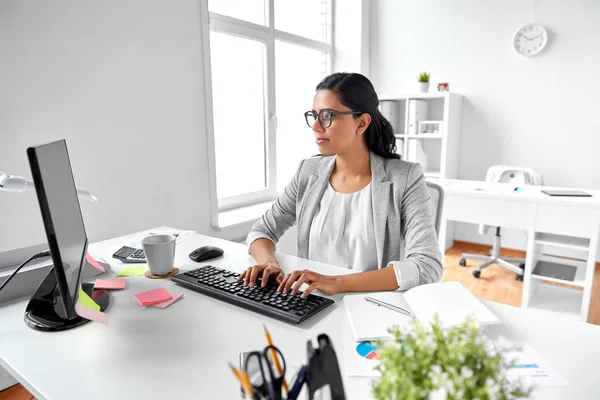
264	271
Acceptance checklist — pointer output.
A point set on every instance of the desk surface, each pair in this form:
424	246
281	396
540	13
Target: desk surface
529	192
182	352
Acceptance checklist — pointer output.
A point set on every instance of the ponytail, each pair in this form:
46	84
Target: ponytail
380	137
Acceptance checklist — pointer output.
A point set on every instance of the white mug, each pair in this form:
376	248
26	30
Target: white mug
160	253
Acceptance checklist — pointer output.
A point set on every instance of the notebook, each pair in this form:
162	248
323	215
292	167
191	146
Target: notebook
450	300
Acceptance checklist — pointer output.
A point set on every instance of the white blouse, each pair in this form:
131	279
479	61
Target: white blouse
342	231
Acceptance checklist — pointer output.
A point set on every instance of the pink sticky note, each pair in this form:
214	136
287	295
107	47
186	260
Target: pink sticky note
90	314
93	262
166	304
153	297
110	284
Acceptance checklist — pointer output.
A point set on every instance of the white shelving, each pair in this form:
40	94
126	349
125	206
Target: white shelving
573	299
429	132
569	242
557	300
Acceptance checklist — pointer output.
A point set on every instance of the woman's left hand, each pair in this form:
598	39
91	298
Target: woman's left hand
325	283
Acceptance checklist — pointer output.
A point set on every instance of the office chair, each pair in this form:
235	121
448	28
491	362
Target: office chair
436	194
518	176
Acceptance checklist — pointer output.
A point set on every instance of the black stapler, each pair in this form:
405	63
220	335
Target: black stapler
323	369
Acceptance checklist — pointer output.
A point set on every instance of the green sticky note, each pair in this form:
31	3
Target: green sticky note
87	301
135	270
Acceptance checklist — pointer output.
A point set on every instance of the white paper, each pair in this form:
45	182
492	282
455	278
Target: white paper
136	242
528	366
451	301
354	363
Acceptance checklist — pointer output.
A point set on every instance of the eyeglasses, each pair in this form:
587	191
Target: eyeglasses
325	117
266	385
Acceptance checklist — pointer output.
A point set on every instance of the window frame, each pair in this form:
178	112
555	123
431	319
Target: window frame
268	35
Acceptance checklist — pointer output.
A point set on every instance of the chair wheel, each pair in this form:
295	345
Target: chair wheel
519	277
462	262
476	274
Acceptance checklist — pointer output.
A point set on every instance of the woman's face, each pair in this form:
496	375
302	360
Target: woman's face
345	131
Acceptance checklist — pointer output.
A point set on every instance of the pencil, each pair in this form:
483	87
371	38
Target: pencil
275	358
244	380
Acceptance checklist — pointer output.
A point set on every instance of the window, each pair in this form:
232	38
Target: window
266	57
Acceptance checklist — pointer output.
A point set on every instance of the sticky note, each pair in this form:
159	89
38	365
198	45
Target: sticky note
94	263
133	270
96	293
92	315
86	301
153	297
111	284
167	303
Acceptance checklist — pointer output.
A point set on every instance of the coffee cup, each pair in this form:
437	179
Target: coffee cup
160	253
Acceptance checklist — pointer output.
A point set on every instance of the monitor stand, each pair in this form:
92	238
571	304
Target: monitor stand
45	311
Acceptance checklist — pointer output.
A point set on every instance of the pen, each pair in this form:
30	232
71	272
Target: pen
244	380
275	358
387	305
297	385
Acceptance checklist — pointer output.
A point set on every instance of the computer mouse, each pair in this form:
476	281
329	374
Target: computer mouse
205	253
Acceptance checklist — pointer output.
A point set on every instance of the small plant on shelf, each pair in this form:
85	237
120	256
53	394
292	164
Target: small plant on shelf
424	77
424	81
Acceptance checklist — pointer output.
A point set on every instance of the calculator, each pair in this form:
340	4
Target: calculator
130	255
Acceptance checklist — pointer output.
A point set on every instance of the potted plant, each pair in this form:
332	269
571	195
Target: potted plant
424	82
431	363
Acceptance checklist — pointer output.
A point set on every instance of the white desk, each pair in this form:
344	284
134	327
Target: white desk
182	352
551	223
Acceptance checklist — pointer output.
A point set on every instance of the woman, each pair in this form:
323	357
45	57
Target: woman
357	205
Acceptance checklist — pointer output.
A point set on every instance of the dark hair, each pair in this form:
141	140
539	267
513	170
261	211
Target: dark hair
357	93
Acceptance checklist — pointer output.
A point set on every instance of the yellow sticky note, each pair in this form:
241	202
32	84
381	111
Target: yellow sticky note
134	270
87	301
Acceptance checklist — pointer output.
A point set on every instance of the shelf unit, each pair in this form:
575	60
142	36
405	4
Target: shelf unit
432	141
438	151
572	298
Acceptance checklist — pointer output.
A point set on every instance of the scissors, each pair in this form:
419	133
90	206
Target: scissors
265	385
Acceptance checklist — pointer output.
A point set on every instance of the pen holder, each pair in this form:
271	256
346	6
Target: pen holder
323	370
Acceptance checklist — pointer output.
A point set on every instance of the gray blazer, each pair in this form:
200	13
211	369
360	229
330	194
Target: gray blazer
404	225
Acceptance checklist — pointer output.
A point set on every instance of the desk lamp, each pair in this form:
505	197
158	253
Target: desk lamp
18	184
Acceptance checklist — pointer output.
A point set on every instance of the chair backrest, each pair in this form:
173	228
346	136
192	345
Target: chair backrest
513	174
436	194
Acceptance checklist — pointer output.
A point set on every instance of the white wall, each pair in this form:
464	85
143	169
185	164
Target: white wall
121	81
541	112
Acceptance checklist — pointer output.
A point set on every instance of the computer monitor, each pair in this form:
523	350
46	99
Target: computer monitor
52	307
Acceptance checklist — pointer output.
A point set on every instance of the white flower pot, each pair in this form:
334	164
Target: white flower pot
424	86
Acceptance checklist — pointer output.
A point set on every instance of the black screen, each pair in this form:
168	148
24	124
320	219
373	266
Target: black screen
55	186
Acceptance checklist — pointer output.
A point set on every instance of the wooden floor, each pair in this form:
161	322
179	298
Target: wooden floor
16	392
495	284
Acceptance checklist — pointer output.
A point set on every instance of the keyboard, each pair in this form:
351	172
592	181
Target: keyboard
221	284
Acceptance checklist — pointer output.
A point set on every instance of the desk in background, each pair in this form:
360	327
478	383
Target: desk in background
550	222
182	352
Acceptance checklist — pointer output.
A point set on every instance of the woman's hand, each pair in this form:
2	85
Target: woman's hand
266	270
325	283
